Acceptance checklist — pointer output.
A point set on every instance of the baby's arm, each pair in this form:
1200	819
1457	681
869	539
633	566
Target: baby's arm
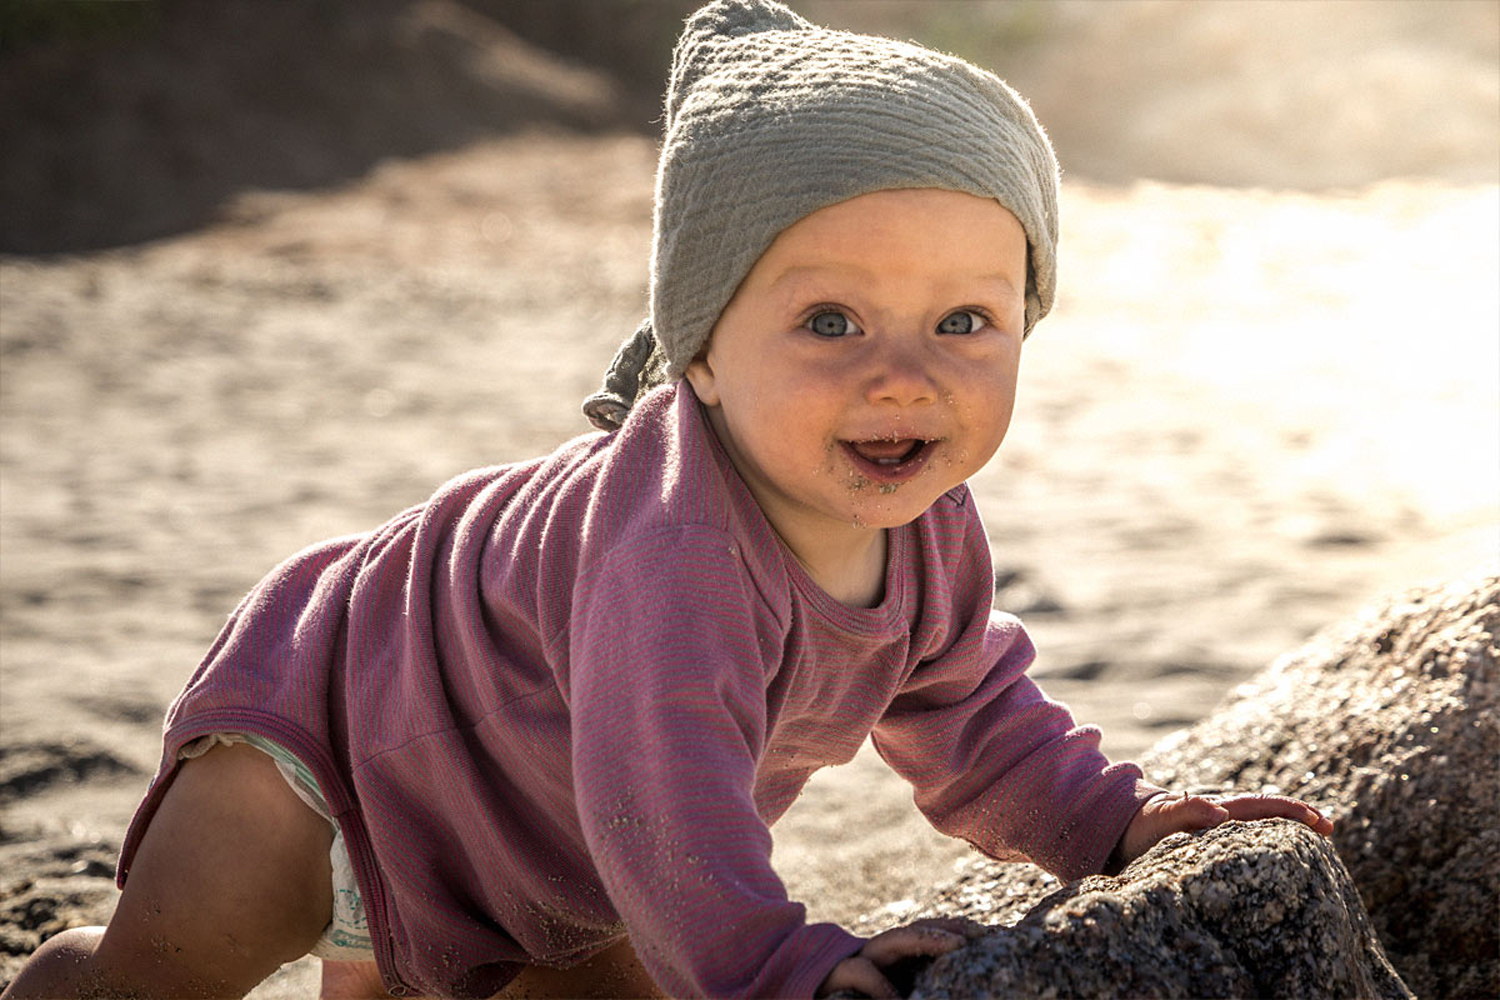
1182	813
994	761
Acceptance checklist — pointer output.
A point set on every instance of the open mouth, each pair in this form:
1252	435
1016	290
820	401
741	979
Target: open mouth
889	460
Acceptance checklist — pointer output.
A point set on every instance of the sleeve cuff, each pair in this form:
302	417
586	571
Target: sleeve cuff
820	947
1111	815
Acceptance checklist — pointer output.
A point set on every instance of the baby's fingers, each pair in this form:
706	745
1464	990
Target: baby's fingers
1249	807
924	939
858	975
865	972
1189	812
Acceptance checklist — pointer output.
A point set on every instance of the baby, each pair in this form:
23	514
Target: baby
531	734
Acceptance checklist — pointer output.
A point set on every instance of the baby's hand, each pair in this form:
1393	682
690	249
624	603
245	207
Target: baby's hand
1168	814
866	971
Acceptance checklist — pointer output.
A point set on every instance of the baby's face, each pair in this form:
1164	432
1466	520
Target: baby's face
867	363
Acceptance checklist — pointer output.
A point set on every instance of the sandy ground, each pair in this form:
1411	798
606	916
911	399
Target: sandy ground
1251	412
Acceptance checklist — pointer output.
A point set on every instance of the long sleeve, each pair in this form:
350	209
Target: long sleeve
667	695
994	761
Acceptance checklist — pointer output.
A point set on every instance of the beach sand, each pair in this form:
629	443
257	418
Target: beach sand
1251	412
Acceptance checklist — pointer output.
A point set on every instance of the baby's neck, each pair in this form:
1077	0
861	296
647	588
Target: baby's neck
855	577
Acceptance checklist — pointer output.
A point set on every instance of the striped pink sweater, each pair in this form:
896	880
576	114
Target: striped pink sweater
564	700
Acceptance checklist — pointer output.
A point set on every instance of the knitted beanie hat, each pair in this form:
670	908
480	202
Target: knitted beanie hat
770	118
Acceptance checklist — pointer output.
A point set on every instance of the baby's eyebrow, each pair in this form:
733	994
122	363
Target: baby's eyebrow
791	275
802	271
1004	280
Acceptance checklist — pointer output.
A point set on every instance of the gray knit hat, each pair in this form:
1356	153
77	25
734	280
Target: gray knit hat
770	118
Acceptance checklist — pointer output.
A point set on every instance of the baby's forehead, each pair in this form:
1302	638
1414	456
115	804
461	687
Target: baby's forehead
927	237
897	217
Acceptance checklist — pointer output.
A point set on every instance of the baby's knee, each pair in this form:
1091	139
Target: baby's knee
63	966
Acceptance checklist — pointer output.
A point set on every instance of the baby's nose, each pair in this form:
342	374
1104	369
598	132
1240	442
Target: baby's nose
902	376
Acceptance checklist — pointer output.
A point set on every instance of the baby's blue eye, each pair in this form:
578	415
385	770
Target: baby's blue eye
832	324
963	321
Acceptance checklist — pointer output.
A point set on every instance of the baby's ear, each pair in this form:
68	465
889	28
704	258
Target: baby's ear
710	32
700	375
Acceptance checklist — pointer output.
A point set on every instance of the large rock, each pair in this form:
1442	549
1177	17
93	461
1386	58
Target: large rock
1246	910
1389	723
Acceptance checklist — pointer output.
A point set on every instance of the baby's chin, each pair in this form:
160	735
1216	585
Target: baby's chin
887	505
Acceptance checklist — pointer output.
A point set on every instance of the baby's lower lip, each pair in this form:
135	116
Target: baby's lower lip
889	461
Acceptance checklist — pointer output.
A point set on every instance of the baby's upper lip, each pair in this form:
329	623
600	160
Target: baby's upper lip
892	438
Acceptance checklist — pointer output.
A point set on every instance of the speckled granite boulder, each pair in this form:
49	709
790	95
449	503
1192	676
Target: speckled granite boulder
1388	722
1246	910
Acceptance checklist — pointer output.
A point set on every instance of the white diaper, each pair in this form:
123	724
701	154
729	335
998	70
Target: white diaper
347	936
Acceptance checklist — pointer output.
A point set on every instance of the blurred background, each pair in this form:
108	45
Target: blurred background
270	273
129	119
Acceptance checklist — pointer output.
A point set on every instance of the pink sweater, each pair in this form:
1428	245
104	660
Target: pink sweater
564	700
